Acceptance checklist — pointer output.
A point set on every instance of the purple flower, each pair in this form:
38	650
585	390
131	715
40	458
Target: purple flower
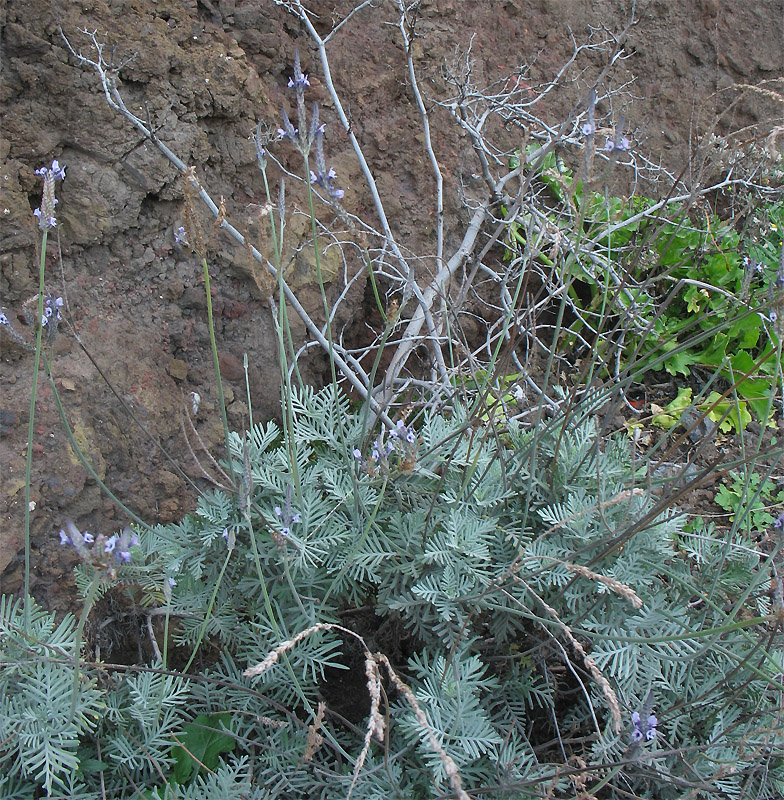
45	214
646	732
180	236
230	537
52	306
4	319
126	539
287	516
621	145
64	538
111	543
300	80
299	83
56	171
323	177
327	181
779	521
588	129
288	131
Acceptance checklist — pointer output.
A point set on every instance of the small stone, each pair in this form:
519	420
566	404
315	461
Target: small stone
7	420
178	369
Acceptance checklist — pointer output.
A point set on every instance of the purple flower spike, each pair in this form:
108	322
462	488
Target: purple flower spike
646	732
300	80
45	214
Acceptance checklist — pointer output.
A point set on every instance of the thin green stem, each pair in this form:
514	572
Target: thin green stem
216	365
31	424
89	601
208	613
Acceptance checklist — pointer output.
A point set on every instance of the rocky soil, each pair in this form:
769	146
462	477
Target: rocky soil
203	72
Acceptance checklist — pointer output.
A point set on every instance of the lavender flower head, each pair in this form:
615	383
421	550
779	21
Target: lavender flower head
100	551
299	81
45	214
52	306
643	732
620	145
401	439
307	135
323	177
288	517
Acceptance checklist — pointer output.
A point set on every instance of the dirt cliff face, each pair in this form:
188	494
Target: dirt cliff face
202	73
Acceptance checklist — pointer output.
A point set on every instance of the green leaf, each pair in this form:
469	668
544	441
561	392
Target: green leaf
679	363
671	413
203	741
737	415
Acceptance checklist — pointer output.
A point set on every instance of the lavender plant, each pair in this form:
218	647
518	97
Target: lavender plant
542	622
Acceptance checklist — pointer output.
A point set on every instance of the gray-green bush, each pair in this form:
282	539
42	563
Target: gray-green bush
511	608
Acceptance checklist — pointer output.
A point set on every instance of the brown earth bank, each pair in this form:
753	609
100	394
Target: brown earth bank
203	73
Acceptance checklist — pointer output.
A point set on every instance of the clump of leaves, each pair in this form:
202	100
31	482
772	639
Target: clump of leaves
750	498
669	290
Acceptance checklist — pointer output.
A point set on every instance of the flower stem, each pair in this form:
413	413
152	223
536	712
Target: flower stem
31	426
89	601
216	364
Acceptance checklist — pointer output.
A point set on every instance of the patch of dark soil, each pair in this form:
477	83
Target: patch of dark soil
346	689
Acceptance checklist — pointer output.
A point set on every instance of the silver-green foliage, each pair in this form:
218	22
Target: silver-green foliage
512	565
